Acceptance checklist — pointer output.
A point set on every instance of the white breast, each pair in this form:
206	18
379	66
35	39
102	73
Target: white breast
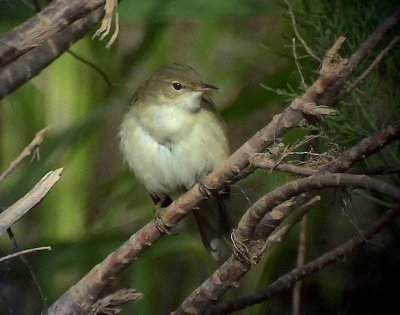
197	144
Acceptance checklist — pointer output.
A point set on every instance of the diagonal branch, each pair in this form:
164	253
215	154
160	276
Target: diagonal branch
288	280
43	26
259	209
27	151
249	252
24	68
15	212
78	298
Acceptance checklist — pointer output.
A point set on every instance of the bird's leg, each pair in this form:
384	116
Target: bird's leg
206	191
160	203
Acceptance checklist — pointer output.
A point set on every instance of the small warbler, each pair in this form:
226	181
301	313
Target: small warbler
171	137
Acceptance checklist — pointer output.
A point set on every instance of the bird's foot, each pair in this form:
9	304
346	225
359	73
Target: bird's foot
158	221
206	191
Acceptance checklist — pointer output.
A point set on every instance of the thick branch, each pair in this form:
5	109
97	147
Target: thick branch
250	253
19	71
257	211
310	268
233	269
43	26
89	287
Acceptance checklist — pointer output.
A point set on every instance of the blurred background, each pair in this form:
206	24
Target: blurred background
244	48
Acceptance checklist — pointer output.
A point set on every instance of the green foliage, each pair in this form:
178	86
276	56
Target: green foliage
236	45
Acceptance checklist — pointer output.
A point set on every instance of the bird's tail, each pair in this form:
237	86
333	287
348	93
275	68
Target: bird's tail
215	226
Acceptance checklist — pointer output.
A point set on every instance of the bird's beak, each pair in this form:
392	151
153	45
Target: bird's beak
204	87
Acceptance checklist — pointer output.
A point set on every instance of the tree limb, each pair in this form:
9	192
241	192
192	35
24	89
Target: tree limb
43	26
30	64
310	268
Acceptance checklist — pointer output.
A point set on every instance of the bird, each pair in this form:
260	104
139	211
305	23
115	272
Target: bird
171	137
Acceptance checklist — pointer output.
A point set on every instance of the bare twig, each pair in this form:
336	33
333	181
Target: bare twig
28	265
93	66
374	38
373	64
12	214
301	257
294	24
363	50
27	151
296	61
24	252
262	160
310	268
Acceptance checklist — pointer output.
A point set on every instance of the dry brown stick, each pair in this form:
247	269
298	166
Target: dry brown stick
13	213
43	26
301	258
249	252
375	37
288	280
294	24
263	160
28	65
258	210
233	269
364	50
24	252
342	163
27	151
373	64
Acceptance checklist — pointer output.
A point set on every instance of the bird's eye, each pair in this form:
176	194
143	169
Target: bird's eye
177	86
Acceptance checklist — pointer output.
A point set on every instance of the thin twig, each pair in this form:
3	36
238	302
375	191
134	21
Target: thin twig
294	24
28	265
12	214
296	61
301	258
93	66
27	151
263	160
373	64
24	252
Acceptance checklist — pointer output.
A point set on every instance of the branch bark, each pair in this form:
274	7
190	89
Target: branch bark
27	151
43	26
248	251
288	280
30	64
